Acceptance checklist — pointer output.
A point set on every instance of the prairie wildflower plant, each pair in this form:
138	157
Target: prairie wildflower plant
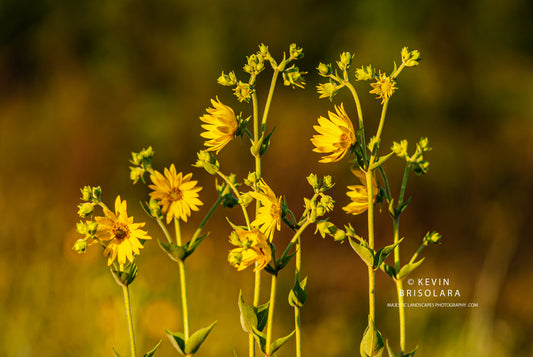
336	138
255	245
121	239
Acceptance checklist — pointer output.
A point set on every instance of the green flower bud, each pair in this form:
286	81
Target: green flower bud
91	227
80	246
313	181
207	161
421	167
243	92
295	51
155	209
410	58
327	183
324	69
263	51
234	239
86	193
255	64
373	144
423	145
136	174
325	228
345	61
234	258
245	200
85	209
251	179
97	194
339	236
364	73
327	90
432	238
81	228
327	203
293	77
400	149
227	80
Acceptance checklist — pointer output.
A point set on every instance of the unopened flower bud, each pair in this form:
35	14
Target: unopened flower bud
234	258
80	246
243	92
339	236
432	238
293	77
324	69
327	183
136	173
295	51
227	79
345	61
313	181
364	73
327	90
85	209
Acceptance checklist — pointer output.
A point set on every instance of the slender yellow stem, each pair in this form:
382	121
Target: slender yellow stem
401	314
237	195
184	304
271	314
127	305
297	327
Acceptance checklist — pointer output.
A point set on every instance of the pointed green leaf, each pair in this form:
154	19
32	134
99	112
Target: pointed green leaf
380	161
365	253
177	340
191	245
274	346
195	341
412	353
383	253
266	143
261	312
391	351
298	295
175	252
408	268
372	342
126	275
116	353
152	351
284	261
389	270
260	338
248	315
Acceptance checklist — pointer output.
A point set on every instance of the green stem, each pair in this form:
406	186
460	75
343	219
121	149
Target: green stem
270	95
271	314
206	218
127	305
297	327
164	229
380	128
359	115
184	304
238	196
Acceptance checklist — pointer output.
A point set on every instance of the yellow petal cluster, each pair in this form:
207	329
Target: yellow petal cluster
254	248
335	136
220	125
359	194
384	87
269	214
176	194
119	234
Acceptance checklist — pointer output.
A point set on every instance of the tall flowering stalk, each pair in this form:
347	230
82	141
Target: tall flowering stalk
335	139
173	198
254	242
121	239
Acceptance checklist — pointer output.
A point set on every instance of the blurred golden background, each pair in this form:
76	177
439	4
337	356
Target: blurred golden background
84	83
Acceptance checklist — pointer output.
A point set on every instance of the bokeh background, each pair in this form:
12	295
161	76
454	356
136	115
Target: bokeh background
84	83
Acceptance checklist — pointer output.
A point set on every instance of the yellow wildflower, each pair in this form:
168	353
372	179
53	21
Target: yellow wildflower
269	214
359	194
335	136
384	87
253	248
120	233
177	194
220	125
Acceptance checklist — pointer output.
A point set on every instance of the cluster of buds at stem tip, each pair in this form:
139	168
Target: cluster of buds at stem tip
365	73
432	238
345	61
92	197
207	161
320	185
410	58
142	163
416	161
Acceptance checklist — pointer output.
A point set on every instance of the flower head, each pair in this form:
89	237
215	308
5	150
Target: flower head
269	214
177	194
384	87
220	125
121	234
253	247
335	136
359	194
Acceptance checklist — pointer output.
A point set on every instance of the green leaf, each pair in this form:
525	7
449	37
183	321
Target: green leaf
380	161
383	253
177	340
408	268
248	316
389	270
261	312
274	346
195	341
372	342
260	338
152	352
284	261
116	353
266	143
298	295
126	276
191	245
411	354
363	251
175	252
391	351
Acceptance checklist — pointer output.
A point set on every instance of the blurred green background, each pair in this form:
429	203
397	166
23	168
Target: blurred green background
84	83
